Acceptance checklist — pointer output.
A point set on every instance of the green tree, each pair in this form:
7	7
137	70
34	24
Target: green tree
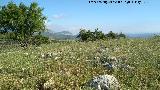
22	20
122	35
98	34
90	36
82	35
111	35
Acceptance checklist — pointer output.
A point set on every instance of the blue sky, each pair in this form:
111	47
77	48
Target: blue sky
71	15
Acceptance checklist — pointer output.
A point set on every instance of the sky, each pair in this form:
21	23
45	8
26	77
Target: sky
73	15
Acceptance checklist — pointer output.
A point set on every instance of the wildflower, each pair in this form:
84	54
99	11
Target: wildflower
107	49
50	83
54	54
42	55
21	81
56	58
26	54
97	58
49	54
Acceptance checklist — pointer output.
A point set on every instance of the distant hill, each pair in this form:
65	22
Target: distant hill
66	35
63	35
142	35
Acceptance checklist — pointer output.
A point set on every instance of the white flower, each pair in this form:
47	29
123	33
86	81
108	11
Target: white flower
26	53
97	58
21	81
23	69
49	83
56	58
42	55
1	67
54	54
107	49
49	54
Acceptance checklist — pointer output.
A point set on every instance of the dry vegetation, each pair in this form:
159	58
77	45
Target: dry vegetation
69	65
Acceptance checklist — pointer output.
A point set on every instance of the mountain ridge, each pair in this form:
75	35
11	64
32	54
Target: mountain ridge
63	35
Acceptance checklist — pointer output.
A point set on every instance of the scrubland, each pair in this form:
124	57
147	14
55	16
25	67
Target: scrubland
69	65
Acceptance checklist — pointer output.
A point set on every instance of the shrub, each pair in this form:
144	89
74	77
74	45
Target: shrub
39	39
112	35
90	36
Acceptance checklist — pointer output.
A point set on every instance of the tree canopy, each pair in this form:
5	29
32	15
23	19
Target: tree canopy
23	21
87	35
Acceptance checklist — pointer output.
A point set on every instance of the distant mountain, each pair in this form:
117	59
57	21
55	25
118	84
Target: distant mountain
63	35
48	33
142	35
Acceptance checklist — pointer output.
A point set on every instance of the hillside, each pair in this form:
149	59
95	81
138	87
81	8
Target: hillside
69	65
142	35
66	35
63	35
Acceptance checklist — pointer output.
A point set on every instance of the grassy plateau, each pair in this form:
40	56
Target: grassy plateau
73	63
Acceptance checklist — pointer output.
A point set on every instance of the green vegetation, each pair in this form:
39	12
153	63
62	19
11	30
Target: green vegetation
112	35
74	63
21	22
68	65
90	36
85	35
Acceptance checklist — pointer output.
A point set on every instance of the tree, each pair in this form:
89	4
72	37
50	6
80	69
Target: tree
99	34
82	35
90	36
111	35
122	35
22	20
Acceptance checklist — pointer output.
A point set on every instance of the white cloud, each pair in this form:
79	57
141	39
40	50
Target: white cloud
74	29
58	16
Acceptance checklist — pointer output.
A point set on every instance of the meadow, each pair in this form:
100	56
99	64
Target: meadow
73	63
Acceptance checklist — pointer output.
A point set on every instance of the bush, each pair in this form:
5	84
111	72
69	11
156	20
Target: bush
85	35
112	35
90	36
121	35
39	39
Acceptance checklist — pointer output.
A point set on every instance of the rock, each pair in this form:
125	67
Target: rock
112	59
110	62
109	66
113	63
104	82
